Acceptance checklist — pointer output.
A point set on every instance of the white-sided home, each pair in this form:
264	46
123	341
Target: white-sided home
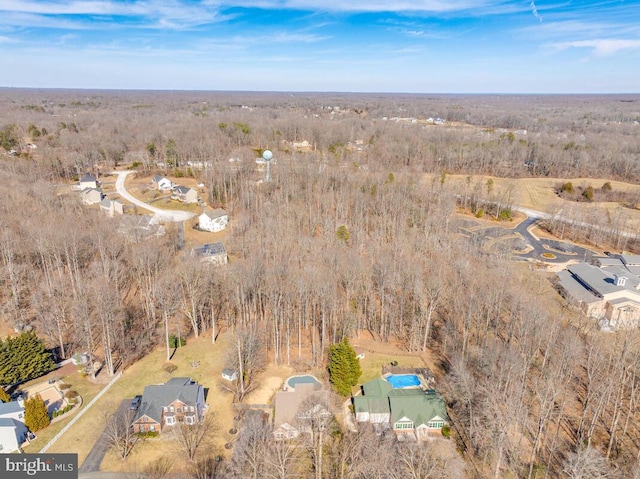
13	432
161	183
213	220
88	181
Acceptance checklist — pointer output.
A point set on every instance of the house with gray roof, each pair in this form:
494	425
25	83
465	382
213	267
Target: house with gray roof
13	431
185	194
111	207
608	290
91	196
214	253
162	183
406	410
294	405
88	181
179	400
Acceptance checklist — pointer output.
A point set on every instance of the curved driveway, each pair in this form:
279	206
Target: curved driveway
161	215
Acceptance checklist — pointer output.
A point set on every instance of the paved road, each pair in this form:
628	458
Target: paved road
562	251
161	215
96	455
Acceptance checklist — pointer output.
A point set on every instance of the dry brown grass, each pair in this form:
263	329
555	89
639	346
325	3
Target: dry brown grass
540	193
82	436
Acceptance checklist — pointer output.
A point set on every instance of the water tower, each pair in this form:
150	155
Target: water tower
267	156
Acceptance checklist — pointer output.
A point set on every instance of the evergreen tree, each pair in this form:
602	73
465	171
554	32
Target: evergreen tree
36	416
22	358
344	367
4	396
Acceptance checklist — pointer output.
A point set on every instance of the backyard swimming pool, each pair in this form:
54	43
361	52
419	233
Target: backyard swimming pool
301	380
400	381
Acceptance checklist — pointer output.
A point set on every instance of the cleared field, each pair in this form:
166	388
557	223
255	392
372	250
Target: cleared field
540	194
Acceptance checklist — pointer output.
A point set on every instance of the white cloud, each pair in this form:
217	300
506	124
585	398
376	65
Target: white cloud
173	14
150	7
601	47
369	5
4	39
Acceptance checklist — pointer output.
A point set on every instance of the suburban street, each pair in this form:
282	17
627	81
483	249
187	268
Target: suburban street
161	214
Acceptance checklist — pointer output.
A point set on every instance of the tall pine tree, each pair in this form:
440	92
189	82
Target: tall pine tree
22	358
36	416
344	367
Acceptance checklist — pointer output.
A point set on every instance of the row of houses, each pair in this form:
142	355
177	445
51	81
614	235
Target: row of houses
91	194
410	412
180	193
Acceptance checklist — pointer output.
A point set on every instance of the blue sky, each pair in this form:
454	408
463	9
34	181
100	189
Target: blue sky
417	46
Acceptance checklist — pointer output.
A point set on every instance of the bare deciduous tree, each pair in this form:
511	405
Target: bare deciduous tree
191	437
246	357
119	432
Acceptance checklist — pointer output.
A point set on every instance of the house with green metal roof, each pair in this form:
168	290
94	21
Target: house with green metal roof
407	410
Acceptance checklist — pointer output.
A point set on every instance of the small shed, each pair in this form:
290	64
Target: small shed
229	374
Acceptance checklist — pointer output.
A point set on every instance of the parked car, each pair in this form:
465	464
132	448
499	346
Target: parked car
135	403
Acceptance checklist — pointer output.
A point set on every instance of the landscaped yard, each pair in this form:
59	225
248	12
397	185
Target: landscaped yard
372	364
85	388
200	360
81	436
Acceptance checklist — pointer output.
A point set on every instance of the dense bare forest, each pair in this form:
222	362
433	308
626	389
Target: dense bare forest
348	237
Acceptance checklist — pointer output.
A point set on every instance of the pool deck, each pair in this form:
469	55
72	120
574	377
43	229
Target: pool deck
289	387
422	384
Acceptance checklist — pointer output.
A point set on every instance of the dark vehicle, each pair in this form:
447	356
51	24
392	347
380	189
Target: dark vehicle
135	404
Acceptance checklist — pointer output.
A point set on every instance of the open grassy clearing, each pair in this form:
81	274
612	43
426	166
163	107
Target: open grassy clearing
540	193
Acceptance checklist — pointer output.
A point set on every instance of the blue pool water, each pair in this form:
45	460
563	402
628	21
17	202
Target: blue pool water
399	381
301	380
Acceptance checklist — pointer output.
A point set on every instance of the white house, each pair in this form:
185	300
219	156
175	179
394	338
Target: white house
13	432
161	183
88	181
213	220
111	207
